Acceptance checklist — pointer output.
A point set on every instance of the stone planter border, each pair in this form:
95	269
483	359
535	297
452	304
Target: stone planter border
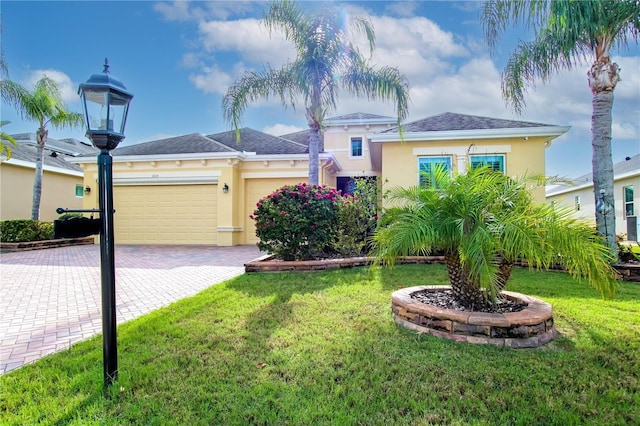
529	328
44	244
267	263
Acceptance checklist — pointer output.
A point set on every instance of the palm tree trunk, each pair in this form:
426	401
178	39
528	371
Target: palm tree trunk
603	77
464	290
314	147
503	274
41	139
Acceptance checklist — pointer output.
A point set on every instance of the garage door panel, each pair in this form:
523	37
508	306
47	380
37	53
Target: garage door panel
165	214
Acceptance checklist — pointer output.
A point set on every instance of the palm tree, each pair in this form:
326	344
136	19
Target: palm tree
326	61
567	33
44	104
5	141
483	222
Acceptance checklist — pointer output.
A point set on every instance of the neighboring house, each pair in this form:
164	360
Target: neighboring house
197	189
62	182
626	193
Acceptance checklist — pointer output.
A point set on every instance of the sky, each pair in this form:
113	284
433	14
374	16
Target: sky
179	58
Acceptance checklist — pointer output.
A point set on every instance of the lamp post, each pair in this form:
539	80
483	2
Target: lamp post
106	103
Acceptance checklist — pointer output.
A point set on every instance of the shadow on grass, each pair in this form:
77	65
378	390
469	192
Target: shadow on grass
322	348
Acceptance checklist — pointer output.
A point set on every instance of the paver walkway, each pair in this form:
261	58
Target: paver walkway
50	299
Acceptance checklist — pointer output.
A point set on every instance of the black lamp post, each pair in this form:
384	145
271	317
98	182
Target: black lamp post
106	103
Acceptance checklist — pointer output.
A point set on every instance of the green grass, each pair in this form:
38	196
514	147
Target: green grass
331	354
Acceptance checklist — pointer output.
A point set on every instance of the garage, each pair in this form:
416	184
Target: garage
165	214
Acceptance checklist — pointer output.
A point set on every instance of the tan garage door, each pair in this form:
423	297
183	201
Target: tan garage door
256	189
169	214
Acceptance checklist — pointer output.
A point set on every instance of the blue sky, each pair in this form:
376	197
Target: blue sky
178	59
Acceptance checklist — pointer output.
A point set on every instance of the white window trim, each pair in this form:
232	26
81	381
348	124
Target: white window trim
362	139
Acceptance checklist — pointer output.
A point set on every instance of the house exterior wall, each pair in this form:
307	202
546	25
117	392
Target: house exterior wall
16	189
587	205
400	159
149	198
337	141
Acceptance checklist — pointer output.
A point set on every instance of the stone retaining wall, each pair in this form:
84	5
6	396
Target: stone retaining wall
38	245
269	264
529	328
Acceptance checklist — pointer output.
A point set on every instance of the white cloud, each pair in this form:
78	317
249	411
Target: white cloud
403	8
420	33
281	129
249	39
68	89
212	80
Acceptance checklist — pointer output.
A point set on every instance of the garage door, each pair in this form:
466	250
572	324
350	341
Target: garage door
256	189
169	214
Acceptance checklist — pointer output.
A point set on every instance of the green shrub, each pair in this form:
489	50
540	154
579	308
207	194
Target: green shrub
358	216
298	222
625	251
20	230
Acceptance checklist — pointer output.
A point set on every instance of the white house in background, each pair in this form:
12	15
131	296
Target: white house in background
626	188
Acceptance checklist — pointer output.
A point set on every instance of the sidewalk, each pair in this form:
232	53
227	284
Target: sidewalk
50	299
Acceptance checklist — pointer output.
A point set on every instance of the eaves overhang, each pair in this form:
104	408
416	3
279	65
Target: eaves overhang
360	122
520	132
169	157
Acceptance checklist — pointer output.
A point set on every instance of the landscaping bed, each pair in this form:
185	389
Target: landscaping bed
44	244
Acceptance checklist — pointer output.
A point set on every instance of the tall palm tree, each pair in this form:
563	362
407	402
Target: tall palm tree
43	104
326	61
567	33
483	222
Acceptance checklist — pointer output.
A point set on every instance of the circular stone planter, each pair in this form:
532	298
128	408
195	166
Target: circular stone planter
530	328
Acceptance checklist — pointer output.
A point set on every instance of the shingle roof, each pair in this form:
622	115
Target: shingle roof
67	146
300	137
619	168
449	121
186	144
29	154
258	142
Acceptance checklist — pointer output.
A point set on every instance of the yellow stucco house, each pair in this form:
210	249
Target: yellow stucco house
201	189
62	181
626	180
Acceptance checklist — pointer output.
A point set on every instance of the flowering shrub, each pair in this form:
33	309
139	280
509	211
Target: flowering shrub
358	217
298	222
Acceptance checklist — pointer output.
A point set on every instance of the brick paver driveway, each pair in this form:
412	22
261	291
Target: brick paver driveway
50	299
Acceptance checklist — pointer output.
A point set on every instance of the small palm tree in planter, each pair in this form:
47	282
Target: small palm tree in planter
484	221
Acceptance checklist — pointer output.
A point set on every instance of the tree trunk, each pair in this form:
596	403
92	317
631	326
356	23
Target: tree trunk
603	77
503	274
314	147
41	139
465	292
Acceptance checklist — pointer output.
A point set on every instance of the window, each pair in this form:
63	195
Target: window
428	165
495	162
628	201
79	191
577	202
356	147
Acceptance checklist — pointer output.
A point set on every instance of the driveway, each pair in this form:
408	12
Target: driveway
50	299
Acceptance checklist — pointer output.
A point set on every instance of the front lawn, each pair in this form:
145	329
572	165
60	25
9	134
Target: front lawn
322	348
